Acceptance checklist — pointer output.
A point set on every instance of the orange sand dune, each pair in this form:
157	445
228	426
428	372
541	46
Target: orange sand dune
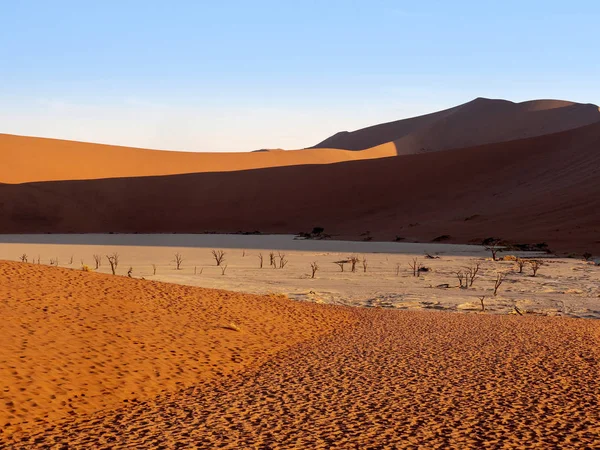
481	121
25	159
531	190
74	343
384	379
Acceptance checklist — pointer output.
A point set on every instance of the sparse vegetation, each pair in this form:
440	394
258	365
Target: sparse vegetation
314	267
282	260
219	256
415	265
317	231
341	263
535	266
493	245
462	279
353	261
178	260
113	260
466	277
85	268
472	273
587	256
498	282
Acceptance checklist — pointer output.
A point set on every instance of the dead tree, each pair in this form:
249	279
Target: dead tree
353	261
219	256
472	273
260	259
493	246
462	279
520	264
535	266
498	282
397	269
23	258
415	266
178	260
71	260
314	267
272	259
54	262
153	269
587	256
223	269
97	261
282	260
113	260
341	264
364	264
129	272
481	299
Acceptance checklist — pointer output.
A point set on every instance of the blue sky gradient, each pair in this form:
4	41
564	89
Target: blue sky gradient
242	75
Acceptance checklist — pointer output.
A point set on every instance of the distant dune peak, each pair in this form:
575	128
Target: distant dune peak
478	122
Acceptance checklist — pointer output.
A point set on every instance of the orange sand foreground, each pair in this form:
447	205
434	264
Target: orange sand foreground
98	361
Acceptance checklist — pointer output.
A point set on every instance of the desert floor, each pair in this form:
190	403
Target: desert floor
562	286
92	360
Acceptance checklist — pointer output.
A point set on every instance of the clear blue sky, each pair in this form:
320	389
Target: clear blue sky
242	75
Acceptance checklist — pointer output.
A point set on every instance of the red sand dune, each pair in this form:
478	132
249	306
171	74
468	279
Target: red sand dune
94	361
532	190
481	121
76	342
25	159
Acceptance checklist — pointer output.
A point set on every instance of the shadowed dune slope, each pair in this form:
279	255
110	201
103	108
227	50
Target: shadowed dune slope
25	159
481	121
532	190
76	342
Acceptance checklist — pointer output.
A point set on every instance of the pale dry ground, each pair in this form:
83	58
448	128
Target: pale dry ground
394	379
75	342
562	287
